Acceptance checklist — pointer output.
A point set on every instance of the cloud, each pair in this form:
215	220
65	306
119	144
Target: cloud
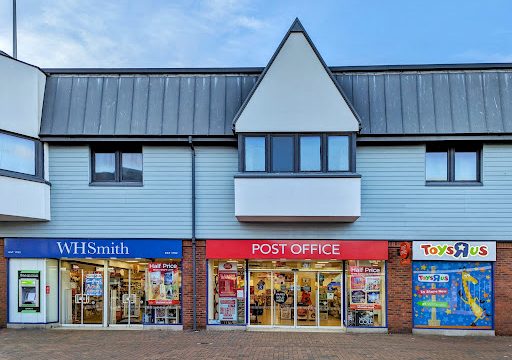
97	33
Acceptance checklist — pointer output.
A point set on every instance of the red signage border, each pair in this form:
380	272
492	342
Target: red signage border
297	249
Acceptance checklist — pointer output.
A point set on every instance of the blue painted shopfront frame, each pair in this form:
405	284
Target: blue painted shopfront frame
92	248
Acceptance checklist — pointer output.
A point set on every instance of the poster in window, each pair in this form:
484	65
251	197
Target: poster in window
93	285
357	282
164	283
453	295
372	283
227	309
358	297
227	284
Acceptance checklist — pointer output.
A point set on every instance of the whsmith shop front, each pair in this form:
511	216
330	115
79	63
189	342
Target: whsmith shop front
94	282
297	284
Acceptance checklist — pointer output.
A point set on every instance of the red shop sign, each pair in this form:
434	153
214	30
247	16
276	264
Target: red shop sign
297	249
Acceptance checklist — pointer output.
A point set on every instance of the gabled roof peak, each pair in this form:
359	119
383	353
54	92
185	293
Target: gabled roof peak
297	26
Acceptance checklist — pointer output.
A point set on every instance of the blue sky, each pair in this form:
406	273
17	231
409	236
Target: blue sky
224	33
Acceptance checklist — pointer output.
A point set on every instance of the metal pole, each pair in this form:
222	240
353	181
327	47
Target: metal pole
14	31
194	250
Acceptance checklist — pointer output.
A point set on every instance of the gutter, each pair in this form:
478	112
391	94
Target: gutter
194	250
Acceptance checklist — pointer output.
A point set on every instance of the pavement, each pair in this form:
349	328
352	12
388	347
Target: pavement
154	344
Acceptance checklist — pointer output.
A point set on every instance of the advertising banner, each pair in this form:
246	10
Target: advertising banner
297	249
92	248
454	250
227	309
93	285
453	295
227	284
164	283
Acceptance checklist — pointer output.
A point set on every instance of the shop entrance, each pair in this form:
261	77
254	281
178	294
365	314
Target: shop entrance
299	298
82	289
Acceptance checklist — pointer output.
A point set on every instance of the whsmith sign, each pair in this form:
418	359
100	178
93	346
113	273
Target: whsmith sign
454	250
92	248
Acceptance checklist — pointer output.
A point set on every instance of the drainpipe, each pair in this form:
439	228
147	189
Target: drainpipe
194	251
14	31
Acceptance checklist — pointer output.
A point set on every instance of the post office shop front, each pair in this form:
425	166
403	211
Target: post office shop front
94	282
453	287
308	284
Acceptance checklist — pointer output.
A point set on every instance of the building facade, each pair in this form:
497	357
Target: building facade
359	199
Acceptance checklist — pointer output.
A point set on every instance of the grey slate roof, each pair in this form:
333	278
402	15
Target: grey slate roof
440	102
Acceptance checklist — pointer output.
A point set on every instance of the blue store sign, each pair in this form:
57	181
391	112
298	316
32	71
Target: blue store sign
92	248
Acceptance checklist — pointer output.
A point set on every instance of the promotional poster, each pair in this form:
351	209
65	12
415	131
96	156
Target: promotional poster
164	284
227	309
456	295
93	284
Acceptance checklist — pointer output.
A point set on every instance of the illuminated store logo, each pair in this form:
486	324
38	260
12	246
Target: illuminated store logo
434	278
90	248
458	250
296	249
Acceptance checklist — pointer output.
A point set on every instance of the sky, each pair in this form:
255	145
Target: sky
242	33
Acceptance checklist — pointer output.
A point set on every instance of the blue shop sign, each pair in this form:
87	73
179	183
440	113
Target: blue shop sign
92	248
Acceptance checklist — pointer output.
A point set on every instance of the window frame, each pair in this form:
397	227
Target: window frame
451	149
38	161
117	151
296	167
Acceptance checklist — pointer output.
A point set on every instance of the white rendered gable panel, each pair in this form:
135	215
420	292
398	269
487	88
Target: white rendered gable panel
296	95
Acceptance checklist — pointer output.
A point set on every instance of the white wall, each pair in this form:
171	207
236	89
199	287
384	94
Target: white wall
296	95
23	200
21	97
316	199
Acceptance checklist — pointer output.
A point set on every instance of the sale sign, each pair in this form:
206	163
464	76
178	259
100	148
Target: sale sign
227	284
164	283
227	309
297	249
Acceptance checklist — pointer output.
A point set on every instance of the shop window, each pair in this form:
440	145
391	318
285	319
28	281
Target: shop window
111	167
459	165
453	295
20	156
140	291
226	289
291	153
366	293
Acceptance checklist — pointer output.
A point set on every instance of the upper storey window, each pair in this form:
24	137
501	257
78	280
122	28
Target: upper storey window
297	153
20	156
459	164
117	166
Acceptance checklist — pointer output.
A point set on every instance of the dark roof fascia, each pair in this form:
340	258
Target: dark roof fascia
295	27
259	70
155	71
4	54
422	67
227	139
386	139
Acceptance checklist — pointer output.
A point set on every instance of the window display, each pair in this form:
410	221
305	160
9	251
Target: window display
366	293
226	290
453	294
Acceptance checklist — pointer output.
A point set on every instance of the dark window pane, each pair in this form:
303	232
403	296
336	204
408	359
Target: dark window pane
254	153
282	153
310	153
17	154
131	167
337	153
436	166
465	166
104	166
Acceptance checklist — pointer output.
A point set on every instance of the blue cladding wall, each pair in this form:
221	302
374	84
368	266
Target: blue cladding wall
396	204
